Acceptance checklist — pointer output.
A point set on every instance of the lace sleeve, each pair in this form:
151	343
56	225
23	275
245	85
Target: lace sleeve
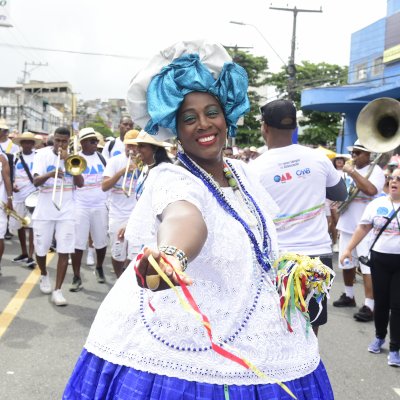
166	184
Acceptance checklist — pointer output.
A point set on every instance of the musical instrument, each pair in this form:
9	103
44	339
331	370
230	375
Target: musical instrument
127	189
25	221
378	129
31	201
74	165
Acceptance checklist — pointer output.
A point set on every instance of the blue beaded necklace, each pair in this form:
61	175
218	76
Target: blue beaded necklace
262	255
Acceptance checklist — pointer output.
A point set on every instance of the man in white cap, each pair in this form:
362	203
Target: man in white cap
368	181
23	187
91	215
120	174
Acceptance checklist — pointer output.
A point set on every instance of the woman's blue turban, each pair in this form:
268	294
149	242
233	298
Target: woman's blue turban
209	69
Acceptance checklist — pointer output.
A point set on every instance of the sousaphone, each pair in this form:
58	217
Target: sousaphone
378	125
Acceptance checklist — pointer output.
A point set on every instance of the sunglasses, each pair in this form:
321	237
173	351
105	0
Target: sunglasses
395	178
356	152
93	141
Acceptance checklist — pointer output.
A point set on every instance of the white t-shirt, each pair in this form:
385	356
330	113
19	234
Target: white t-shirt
44	162
376	213
9	148
350	218
118	148
297	177
120	205
91	195
21	179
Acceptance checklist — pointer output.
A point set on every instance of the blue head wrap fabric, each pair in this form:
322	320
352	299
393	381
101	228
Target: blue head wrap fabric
208	70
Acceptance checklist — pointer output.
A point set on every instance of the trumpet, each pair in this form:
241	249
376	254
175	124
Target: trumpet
127	189
25	221
74	165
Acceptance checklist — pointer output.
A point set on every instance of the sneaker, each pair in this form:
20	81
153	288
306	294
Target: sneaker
8	235
21	258
100	275
45	284
57	298
76	284
90	257
364	314
30	263
375	346
394	359
344	301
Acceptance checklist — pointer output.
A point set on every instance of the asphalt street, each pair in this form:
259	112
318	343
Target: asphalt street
40	343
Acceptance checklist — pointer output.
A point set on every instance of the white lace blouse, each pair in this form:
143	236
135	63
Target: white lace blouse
229	287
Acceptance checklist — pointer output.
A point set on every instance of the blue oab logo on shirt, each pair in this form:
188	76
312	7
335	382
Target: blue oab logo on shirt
93	170
283	178
382	211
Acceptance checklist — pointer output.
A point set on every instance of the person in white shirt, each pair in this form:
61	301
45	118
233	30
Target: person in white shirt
6	144
120	204
5	199
23	187
299	179
368	189
91	214
385	270
114	147
54	217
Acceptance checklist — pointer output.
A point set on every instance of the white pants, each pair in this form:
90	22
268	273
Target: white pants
119	247
22	211
3	222
93	221
43	232
361	250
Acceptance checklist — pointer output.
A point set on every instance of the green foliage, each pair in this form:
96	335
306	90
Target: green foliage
319	128
100	126
249	133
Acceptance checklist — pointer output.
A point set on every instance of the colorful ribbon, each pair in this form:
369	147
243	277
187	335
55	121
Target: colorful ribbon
188	303
299	278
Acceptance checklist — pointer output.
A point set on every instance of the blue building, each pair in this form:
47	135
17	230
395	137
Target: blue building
374	71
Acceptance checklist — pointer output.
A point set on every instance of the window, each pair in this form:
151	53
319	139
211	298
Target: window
361	72
377	66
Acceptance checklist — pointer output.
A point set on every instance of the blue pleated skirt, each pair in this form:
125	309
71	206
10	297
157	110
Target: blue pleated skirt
95	378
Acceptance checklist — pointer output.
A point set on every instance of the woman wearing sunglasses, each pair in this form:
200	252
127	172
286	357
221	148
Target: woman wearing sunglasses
385	272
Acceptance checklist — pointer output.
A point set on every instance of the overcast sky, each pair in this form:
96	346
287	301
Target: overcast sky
139	28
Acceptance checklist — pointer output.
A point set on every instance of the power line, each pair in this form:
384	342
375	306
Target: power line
86	53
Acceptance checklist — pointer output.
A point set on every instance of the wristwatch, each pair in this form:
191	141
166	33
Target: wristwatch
179	254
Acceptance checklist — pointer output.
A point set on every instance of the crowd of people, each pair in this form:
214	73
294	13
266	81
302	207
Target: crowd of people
207	223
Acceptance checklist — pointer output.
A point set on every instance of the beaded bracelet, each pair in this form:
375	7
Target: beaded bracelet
179	254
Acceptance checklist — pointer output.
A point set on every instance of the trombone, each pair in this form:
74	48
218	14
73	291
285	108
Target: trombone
127	189
74	165
25	221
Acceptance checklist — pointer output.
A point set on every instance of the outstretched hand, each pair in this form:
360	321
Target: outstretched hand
147	277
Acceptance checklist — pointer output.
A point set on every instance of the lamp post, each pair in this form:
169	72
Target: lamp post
261	34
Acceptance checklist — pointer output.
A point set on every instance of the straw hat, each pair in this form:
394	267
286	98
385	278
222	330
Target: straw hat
27	136
130	136
358	146
144	137
87	133
101	143
3	125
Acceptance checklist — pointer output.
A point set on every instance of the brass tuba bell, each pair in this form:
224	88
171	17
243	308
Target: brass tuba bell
378	125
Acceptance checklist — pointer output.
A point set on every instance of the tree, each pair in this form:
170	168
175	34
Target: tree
100	126
249	133
320	128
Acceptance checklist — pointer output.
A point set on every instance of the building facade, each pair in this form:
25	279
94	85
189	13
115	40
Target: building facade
374	72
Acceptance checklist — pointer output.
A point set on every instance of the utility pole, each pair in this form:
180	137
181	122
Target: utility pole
21	105
291	68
